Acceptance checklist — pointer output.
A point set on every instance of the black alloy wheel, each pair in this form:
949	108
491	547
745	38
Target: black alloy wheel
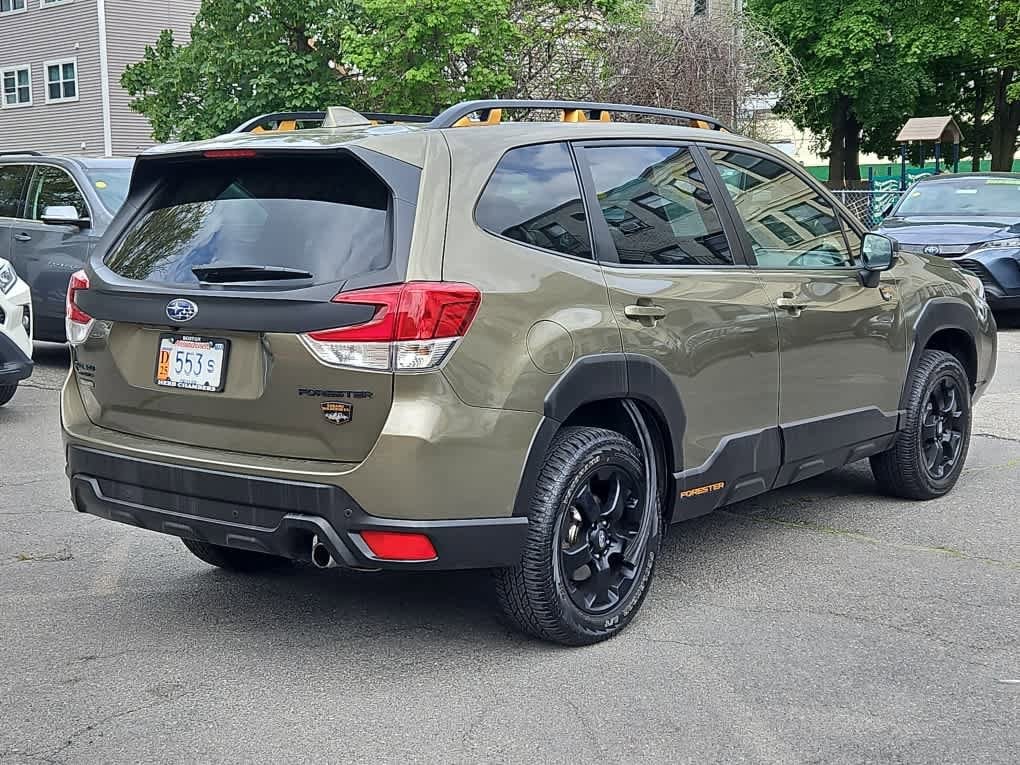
942	429
599	554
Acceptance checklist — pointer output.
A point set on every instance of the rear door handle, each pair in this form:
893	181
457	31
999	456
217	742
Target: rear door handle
22	237
639	312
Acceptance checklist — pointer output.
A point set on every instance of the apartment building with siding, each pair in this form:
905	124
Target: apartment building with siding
60	67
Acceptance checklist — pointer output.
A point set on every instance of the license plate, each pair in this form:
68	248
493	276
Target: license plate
194	363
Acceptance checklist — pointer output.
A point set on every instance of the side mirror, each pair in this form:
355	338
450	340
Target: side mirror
64	215
878	254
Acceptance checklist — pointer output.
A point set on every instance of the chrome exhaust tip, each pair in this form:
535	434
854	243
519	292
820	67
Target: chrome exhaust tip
321	556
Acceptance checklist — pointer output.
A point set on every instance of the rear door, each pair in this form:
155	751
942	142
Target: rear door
44	255
207	298
12	202
683	298
842	344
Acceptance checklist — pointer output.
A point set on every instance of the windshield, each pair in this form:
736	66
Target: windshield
326	217
964	196
111	184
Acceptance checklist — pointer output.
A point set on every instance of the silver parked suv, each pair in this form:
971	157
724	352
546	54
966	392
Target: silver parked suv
52	212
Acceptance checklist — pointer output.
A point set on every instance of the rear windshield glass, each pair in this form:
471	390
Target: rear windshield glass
966	196
327	217
111	184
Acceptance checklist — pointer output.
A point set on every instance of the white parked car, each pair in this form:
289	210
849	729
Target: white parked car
15	331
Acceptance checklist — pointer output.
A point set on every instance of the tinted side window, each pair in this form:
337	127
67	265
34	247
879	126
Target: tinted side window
790	224
12	187
52	187
657	207
534	197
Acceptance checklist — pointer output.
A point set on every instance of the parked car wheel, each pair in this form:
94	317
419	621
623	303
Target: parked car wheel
930	452
591	549
7	393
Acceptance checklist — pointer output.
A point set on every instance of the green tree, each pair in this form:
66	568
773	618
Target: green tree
249	57
245	57
868	65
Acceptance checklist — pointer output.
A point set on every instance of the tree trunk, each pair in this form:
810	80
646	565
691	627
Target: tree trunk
852	149
1005	123
845	146
979	113
836	143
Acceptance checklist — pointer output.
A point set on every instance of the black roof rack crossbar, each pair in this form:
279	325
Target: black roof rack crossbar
265	119
454	114
25	152
417	119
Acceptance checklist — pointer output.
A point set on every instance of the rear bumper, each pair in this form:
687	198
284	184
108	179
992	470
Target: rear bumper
272	516
15	365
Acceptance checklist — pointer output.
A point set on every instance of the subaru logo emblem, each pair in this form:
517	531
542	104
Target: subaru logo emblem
932	249
181	310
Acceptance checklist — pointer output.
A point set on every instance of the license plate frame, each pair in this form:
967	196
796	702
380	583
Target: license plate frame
220	343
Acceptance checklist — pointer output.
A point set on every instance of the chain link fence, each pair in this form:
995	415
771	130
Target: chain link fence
870	206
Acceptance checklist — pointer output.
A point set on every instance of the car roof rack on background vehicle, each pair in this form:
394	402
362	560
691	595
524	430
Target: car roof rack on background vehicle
22	153
470	114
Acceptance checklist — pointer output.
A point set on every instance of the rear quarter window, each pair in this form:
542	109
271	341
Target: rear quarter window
327	216
534	197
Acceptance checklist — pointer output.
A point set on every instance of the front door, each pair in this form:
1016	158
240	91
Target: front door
682	300
44	255
842	345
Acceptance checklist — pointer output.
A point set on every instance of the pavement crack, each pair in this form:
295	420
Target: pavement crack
865	538
997	437
51	756
865	620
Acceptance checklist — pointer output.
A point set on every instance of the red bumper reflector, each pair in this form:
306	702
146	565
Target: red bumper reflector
399	545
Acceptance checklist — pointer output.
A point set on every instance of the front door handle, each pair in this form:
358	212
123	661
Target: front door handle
23	237
644	312
791	304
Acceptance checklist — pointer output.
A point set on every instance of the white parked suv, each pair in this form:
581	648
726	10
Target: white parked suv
15	331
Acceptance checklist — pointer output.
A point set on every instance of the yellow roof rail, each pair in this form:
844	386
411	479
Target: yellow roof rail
583	115
494	117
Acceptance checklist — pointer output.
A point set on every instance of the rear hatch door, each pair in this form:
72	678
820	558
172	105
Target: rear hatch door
204	290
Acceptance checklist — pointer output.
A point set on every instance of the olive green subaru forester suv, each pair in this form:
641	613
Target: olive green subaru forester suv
521	346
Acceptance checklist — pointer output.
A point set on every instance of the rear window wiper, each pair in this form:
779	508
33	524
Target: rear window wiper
228	274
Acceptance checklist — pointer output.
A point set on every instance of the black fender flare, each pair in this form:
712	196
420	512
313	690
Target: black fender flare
936	315
602	377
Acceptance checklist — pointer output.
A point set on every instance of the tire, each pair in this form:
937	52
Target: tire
905	470
7	393
553	593
231	559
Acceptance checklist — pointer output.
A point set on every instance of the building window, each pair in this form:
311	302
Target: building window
16	83
700	7
48	3
12	6
61	80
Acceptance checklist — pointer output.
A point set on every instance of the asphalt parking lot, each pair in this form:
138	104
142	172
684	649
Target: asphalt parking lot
821	623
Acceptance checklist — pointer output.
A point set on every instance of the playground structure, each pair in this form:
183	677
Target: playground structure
922	130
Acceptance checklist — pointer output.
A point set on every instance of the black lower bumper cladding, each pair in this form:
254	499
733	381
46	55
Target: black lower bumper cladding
272	516
15	366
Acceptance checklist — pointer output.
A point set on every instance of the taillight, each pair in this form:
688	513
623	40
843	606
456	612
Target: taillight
414	327
399	545
230	154
77	323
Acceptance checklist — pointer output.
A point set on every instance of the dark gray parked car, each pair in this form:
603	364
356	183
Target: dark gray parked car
971	219
52	212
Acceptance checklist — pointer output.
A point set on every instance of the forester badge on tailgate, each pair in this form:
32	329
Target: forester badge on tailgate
337	412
